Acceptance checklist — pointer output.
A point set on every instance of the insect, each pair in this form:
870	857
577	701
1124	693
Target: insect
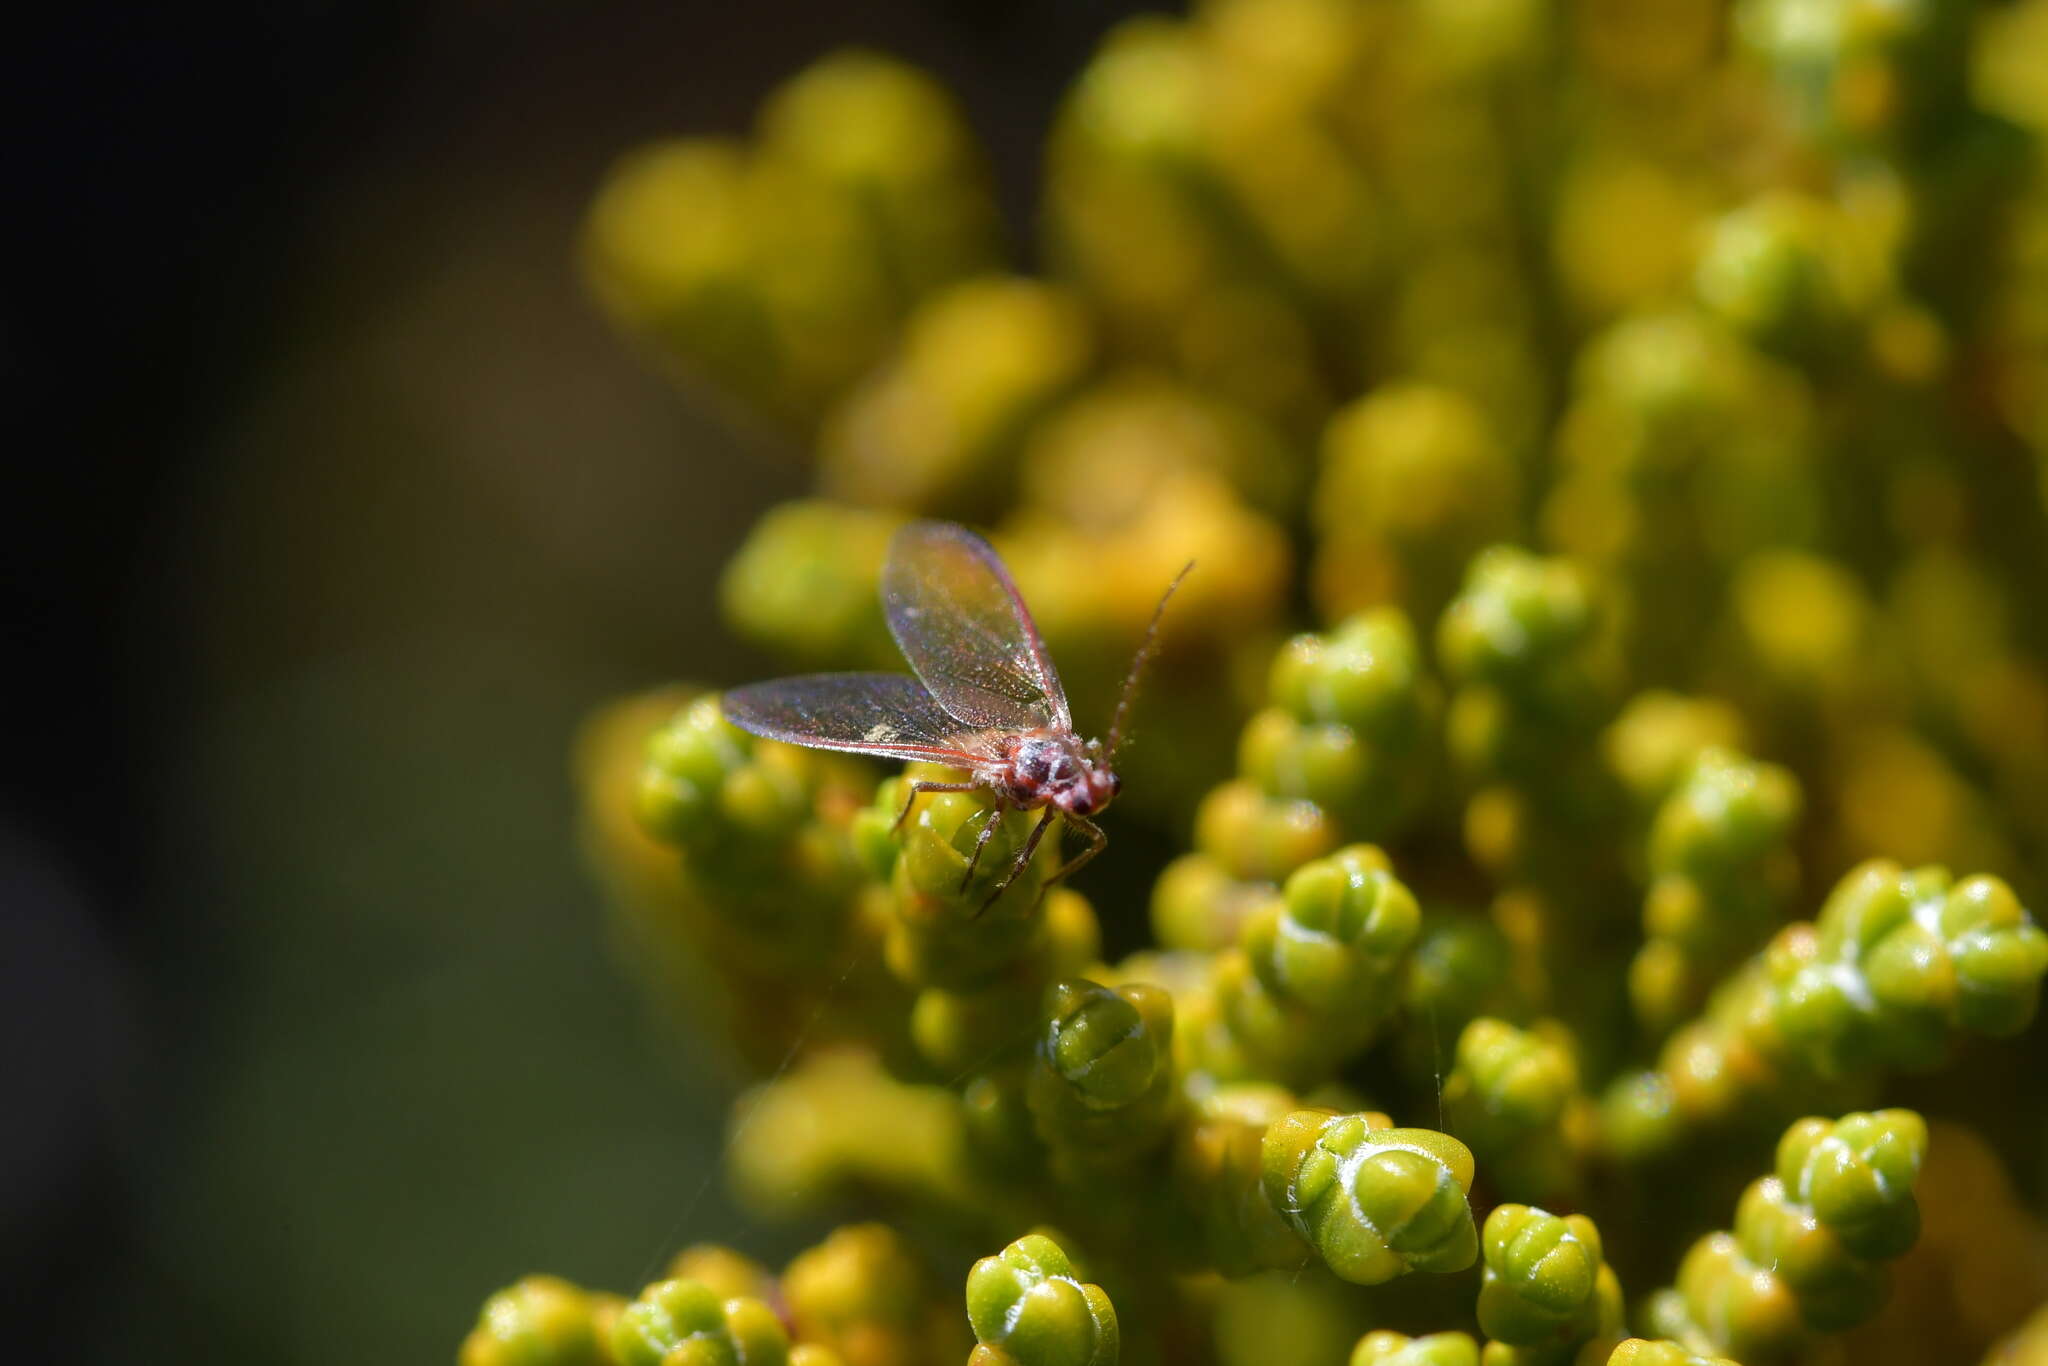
986	697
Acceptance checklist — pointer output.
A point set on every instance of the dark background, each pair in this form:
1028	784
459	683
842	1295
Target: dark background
332	507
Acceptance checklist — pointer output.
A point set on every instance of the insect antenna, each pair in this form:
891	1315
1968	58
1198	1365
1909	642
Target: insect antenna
1146	649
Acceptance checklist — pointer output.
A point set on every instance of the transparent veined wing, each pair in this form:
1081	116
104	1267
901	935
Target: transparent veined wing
960	623
892	716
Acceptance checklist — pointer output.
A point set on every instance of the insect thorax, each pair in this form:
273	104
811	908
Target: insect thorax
1040	766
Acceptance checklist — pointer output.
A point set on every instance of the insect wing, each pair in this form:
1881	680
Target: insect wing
960	623
889	715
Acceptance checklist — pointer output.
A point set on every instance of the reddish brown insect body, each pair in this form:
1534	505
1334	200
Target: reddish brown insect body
986	697
1047	767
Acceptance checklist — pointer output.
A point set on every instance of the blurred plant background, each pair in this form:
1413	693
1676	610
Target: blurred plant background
359	506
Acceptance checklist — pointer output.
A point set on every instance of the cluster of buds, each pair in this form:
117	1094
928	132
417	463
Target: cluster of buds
1809	1242
1899	964
1653	412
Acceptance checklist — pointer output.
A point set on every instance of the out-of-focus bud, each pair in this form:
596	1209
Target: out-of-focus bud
935	429
541	1321
890	139
1861	74
778	271
669	250
1789	273
803	583
1414	484
1386	1348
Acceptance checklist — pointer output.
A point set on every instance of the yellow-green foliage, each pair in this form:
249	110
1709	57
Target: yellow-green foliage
1805	1257
1613	442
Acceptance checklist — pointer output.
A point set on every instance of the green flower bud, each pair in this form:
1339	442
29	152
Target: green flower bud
1684	454
541	1321
1835	1289
1675	373
1857	1175
1516	617
1286	758
1869	902
1876	983
1104	1088
1315	976
1375	1203
1999	954
1905	960
1522	724
946	932
1545	1284
1107	1047
1396	1349
682	786
1508	1093
762	828
803	584
1721	867
863	1294
1339	935
873	831
1751	1309
1257	838
1027	1301
1803	1258
1508	1081
1350	724
1727	814
724	1271
1660	1352
1366	674
684	1323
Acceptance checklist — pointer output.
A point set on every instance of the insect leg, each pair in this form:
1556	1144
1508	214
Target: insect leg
988	827
1097	842
918	789
1023	858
